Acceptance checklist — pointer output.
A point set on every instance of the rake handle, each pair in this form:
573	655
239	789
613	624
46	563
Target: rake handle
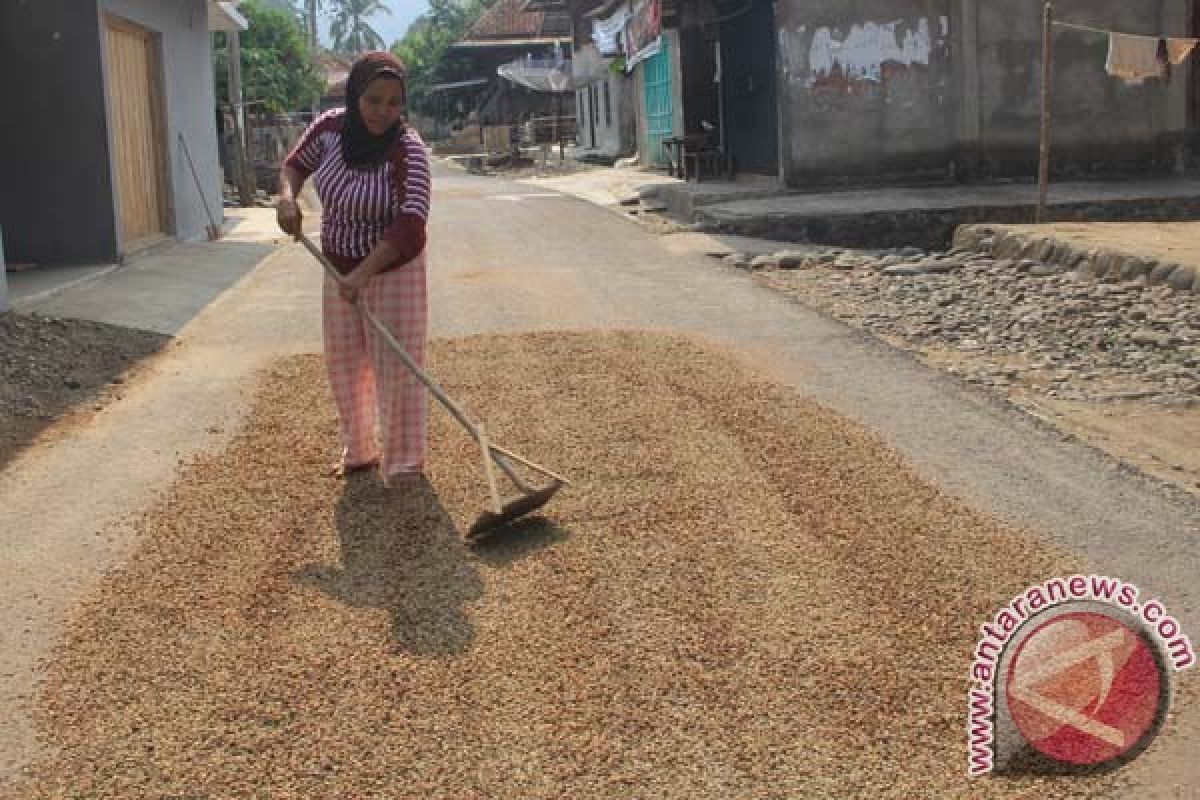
214	230
454	410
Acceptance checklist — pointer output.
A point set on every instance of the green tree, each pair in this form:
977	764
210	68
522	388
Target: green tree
425	48
350	31
277	73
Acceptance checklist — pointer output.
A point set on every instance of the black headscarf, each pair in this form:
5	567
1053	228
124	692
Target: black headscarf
360	148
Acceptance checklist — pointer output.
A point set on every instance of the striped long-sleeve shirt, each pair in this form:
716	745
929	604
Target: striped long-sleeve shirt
361	206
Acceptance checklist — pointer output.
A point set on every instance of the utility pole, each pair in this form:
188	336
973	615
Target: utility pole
1044	135
312	49
234	57
558	130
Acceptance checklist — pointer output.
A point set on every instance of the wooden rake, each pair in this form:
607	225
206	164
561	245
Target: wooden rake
502	512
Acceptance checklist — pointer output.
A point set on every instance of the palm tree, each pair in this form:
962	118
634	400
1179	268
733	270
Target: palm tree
311	7
350	31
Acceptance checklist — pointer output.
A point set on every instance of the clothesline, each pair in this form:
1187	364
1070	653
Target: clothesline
1131	56
1108	32
1136	56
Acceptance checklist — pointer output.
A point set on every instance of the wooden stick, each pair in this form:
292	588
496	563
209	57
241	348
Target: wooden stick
1047	77
497	505
476	431
214	230
396	346
531	465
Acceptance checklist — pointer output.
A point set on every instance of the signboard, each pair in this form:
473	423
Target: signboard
643	33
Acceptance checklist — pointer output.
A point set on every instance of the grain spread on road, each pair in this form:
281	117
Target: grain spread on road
741	594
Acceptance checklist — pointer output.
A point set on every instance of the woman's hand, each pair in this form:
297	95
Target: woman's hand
287	213
350	285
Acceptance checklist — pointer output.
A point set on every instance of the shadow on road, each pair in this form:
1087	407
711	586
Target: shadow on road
511	543
401	553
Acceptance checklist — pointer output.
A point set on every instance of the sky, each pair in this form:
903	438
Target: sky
390	26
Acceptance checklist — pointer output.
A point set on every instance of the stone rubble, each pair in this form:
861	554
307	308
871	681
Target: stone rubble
1024	316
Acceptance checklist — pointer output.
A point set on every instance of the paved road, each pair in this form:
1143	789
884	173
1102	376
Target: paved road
514	257
509	257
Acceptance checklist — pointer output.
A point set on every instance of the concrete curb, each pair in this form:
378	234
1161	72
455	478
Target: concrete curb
20	303
930	223
1105	265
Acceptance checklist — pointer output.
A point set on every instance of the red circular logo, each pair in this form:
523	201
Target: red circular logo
1085	688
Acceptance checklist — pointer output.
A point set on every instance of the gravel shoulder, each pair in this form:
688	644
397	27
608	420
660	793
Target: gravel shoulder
55	373
1116	365
710	610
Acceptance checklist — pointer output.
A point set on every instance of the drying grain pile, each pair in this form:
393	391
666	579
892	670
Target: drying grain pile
741	595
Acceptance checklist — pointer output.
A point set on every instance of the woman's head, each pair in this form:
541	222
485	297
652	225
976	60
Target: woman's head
375	101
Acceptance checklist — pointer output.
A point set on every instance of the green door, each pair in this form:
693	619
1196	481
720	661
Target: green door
659	113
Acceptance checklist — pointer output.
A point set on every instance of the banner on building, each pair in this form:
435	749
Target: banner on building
643	33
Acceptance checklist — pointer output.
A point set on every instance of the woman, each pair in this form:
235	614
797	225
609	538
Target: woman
371	174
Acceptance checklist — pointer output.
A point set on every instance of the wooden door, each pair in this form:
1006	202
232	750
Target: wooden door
748	81
135	104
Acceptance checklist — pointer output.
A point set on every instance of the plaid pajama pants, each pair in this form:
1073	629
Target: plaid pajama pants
371	386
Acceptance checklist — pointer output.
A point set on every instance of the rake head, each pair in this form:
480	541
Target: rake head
513	510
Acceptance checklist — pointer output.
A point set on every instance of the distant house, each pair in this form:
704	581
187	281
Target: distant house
108	94
334	70
604	98
631	68
507	33
883	91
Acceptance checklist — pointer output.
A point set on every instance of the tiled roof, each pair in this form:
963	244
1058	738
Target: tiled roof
506	20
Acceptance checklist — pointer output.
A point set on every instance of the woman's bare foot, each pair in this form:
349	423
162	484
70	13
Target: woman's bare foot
342	469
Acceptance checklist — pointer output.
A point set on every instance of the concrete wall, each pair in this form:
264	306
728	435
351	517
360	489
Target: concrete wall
55	198
1099	123
3	276
618	137
186	45
879	90
868	88
58	203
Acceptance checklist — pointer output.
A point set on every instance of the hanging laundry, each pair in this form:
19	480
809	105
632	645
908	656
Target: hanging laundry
1134	58
605	32
1179	49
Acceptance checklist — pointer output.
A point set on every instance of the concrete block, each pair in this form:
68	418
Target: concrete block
1030	249
1009	246
1182	278
791	259
1160	273
1104	264
1133	268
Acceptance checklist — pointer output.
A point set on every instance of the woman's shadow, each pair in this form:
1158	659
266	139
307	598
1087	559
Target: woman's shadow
400	552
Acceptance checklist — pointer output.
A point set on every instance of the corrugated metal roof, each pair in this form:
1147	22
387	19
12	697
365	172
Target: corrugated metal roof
508	20
445	87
